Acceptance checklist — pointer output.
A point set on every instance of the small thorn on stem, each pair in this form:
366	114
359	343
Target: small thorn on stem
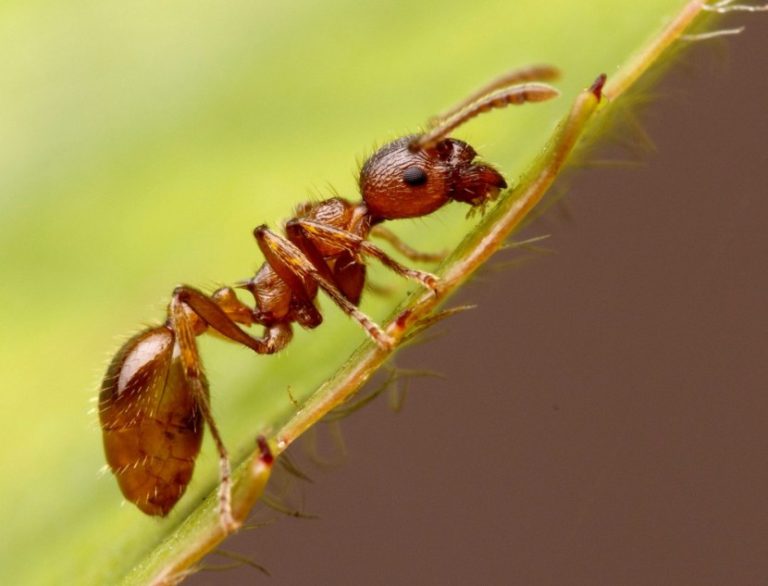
597	87
403	318
713	34
267	458
727	6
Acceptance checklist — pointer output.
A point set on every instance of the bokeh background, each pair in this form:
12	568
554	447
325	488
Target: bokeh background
602	413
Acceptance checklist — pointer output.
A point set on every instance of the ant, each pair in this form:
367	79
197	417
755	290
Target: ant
154	398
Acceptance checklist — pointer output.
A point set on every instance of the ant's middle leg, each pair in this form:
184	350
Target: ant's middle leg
358	245
289	261
222	310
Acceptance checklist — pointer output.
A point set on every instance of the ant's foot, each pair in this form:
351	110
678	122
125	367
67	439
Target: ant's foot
385	341
227	521
429	280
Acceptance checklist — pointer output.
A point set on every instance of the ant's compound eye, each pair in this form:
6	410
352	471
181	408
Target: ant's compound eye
414	176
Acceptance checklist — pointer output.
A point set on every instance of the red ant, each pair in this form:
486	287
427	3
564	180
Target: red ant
154	398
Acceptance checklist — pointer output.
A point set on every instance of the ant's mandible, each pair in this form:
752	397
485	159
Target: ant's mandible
154	397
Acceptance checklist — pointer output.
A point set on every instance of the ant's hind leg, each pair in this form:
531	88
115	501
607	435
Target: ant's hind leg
401	247
289	261
215	314
193	372
357	245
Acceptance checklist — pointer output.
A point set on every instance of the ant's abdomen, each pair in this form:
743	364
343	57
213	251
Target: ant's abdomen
152	427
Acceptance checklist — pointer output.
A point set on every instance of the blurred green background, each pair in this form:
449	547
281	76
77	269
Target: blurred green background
140	143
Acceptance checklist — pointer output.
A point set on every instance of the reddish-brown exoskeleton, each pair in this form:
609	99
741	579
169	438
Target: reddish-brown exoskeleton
154	398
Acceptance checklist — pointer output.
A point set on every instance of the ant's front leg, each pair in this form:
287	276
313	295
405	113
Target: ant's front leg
215	315
358	245
296	269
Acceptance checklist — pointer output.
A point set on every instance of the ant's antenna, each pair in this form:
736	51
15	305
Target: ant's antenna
518	94
512	87
510	78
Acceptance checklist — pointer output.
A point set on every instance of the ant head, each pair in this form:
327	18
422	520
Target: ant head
404	181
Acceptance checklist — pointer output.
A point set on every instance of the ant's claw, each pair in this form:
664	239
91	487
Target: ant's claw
432	282
385	342
227	521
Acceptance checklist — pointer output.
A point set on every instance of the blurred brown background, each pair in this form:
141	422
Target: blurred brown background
622	433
